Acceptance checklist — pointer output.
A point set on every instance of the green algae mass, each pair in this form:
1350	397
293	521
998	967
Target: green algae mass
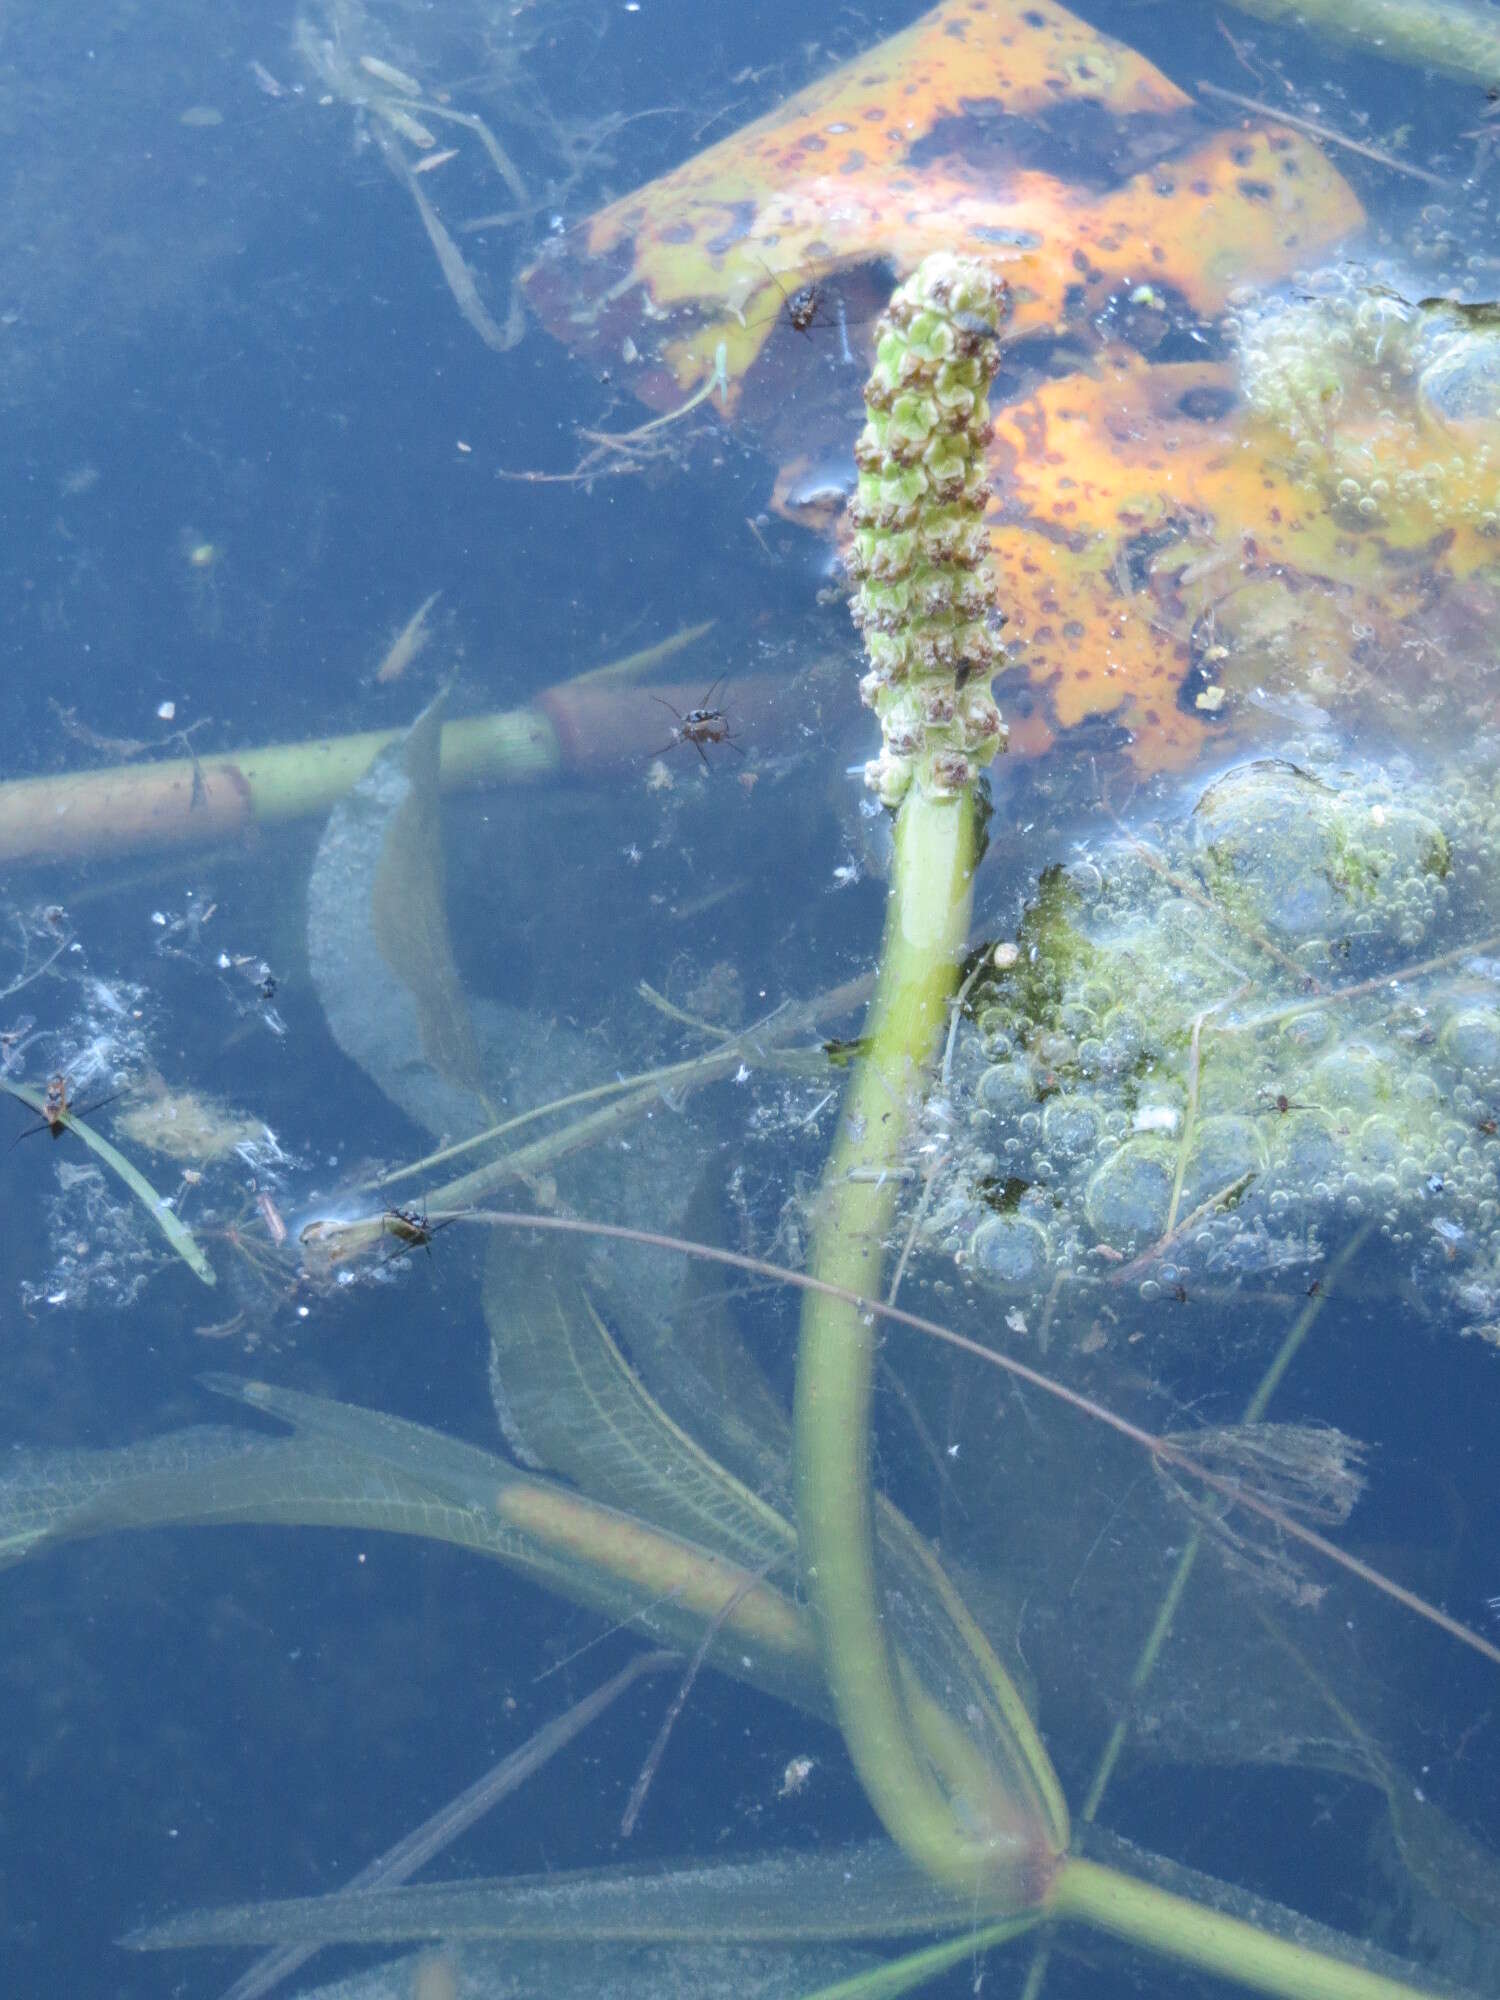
1226	1041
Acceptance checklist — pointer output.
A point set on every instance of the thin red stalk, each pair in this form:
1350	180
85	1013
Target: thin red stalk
1159	1447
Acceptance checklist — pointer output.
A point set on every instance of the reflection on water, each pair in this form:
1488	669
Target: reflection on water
1212	1140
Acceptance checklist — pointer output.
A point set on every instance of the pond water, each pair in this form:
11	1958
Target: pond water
348	382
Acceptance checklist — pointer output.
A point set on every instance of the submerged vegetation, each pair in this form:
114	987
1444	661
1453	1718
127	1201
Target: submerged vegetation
1204	1081
1386	406
1227	1038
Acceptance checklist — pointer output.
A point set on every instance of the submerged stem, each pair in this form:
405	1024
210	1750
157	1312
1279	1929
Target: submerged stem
985	1823
927	925
1194	1934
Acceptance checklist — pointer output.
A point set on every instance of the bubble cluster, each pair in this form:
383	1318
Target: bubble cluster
1221	1045
1388	409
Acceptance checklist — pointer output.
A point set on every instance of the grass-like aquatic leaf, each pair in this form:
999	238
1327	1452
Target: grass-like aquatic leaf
782	1899
170	1224
355	1468
580	1970
844	1895
416	1849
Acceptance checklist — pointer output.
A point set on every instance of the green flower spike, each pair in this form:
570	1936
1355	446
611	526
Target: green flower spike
925	593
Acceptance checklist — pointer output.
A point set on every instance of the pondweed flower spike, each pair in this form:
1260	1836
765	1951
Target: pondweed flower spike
925	589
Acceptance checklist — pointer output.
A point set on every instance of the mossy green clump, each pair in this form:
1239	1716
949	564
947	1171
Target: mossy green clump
1254	1031
1275	844
1389	407
925	595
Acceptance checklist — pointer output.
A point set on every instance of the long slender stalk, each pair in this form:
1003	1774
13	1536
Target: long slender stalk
927	925
623	1099
969	1820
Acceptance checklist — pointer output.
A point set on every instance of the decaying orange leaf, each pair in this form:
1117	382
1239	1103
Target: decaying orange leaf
1155	543
1129	501
960	134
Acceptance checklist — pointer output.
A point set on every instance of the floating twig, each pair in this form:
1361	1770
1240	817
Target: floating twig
1164	1243
613	453
1336	995
1190	1116
456	273
1326	132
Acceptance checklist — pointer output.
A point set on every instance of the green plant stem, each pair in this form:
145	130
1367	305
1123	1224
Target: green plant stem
1459	41
1193	1934
926	929
915	1968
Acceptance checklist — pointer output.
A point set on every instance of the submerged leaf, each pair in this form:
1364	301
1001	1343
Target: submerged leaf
866	1892
378	944
350	1467
581	1971
571	1402
935	139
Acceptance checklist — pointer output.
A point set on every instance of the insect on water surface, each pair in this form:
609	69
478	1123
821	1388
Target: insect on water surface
57	1109
700	725
802	304
411	1229
846	300
55	1106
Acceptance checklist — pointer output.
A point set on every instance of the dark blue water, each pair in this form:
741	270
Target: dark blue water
248	432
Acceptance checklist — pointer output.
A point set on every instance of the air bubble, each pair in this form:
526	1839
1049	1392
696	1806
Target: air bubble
1071	1126
1129	1195
1472	1039
1007	1088
1010	1250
